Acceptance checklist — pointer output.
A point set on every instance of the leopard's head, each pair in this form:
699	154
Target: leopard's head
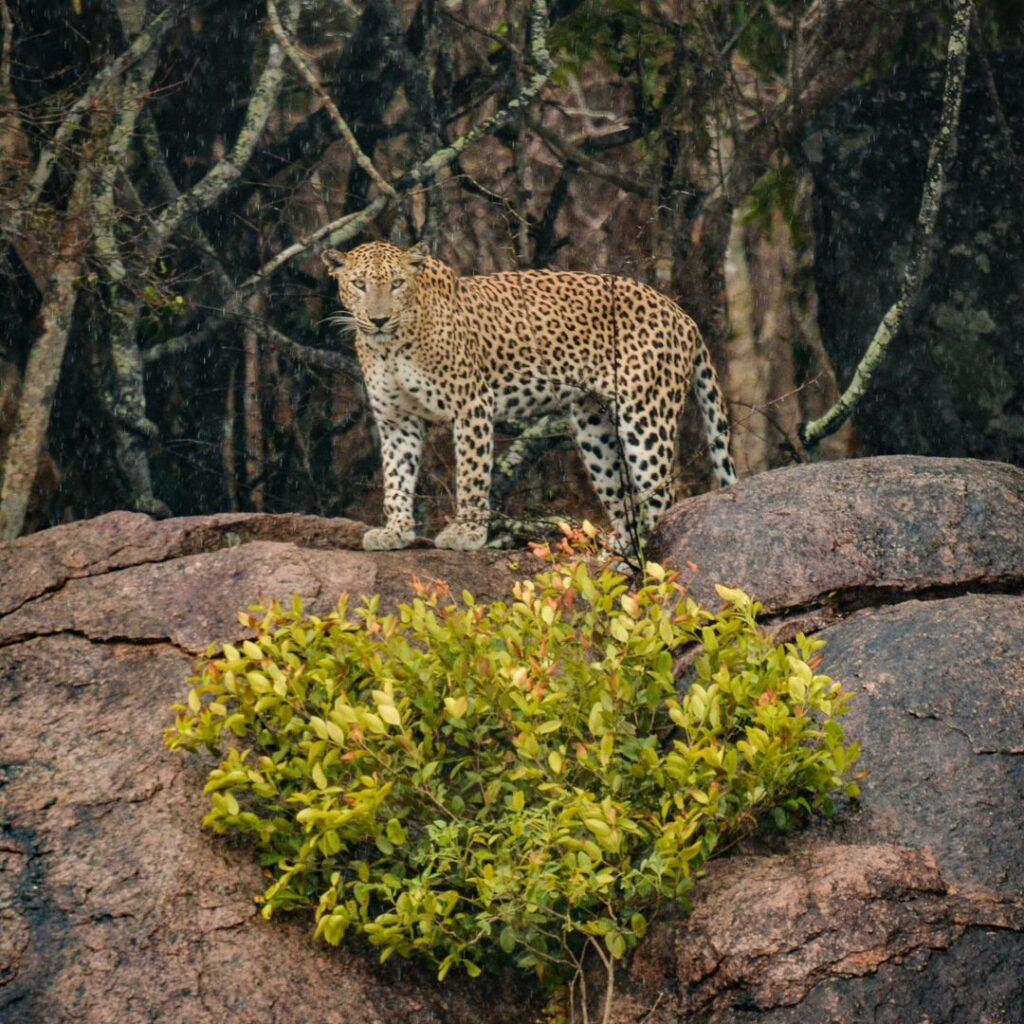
375	284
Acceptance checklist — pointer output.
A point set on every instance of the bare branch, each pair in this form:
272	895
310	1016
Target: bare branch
76	115
321	358
940	156
313	81
229	168
836	40
1005	132
343	229
569	153
326	360
734	40
542	60
337	232
498	40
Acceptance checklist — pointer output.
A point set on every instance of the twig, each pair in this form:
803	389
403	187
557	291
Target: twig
738	34
569	153
1010	149
486	33
609	967
650	1012
471	185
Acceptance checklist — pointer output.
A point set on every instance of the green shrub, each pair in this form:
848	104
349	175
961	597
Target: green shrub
468	782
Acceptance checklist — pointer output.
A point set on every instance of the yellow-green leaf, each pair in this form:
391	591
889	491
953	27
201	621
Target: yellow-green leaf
619	630
456	705
390	714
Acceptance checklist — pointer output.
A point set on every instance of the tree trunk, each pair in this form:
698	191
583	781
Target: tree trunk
227	445
253	413
27	442
777	373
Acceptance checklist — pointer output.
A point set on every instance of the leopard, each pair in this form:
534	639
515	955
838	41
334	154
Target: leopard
612	354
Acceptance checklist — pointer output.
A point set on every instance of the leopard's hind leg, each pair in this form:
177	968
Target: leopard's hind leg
647	443
593	424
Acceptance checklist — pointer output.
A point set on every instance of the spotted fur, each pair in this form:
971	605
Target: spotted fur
618	356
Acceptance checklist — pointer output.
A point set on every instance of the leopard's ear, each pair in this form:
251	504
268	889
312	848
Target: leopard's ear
417	255
333	260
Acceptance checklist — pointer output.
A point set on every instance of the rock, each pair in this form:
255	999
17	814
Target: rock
805	936
833	535
120	908
43	562
115	906
908	905
184	580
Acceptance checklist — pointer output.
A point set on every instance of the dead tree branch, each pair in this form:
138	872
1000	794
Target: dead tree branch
313	81
940	156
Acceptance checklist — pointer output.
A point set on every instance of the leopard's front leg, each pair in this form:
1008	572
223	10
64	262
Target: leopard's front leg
474	454
401	442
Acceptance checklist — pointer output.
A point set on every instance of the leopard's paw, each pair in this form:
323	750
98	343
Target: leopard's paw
462	537
383	538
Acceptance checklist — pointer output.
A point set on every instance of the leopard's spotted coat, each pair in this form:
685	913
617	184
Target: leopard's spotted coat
615	354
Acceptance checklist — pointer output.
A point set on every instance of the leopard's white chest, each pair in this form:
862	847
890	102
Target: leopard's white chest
417	392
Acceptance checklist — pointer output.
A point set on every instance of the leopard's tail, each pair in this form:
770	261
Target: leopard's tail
713	413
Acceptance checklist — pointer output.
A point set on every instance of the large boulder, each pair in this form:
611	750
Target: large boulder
908	905
835	536
115	906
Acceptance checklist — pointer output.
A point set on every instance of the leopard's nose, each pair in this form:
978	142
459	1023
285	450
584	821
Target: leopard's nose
379	321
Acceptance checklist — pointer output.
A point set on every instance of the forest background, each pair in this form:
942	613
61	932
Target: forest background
169	172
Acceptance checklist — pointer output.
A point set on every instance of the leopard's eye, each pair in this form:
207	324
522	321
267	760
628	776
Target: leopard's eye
359	284
397	283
